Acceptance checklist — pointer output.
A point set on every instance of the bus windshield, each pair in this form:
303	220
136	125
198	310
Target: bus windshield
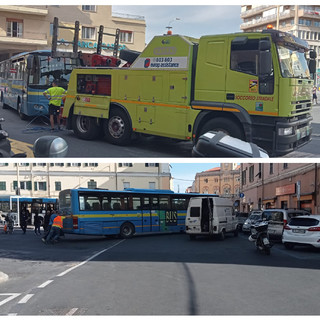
65	200
293	62
46	69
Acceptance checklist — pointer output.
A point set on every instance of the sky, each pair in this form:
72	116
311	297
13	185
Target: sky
193	20
183	174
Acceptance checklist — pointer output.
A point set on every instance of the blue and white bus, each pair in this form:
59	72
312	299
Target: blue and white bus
15	205
124	213
24	78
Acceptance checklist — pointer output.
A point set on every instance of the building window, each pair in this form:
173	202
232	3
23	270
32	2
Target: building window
89	8
3	185
92	184
126	185
251	173
41	186
151	165
14	28
58	185
126	36
88	33
244	177
152	185
285	166
125	165
271	168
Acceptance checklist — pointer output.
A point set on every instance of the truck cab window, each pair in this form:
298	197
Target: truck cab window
245	56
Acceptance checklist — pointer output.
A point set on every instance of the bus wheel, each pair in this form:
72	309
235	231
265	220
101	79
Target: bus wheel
21	115
127	230
117	128
85	127
227	126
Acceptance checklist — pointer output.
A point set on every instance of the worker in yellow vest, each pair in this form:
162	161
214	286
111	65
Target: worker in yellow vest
55	94
55	230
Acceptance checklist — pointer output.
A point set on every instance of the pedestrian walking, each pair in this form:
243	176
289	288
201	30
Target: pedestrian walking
55	94
37	224
55	230
24	219
46	221
314	95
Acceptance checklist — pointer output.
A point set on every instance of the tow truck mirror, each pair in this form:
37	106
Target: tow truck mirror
265	63
30	62
312	54
312	66
264	45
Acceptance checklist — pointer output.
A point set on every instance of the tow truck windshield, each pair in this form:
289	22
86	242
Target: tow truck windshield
293	62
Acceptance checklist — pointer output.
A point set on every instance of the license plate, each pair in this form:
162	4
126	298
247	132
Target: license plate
298	231
265	241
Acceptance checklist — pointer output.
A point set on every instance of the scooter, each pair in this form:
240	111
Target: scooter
5	146
259	235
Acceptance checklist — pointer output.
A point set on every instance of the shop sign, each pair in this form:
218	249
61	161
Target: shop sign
288	189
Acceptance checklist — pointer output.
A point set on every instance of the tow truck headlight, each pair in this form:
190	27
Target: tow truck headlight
285	131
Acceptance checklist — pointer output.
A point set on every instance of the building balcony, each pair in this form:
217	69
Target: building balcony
266	20
255	11
24	10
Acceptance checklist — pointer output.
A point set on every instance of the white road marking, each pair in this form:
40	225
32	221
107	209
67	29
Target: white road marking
12	314
26	298
43	285
89	259
71	312
12	296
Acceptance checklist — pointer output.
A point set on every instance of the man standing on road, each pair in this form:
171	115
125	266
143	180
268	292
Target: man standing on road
55	94
52	217
24	219
314	95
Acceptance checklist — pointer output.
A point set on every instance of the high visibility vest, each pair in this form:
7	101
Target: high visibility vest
57	222
56	94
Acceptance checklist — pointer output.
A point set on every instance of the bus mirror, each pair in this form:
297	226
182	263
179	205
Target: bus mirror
264	45
30	62
265	63
312	66
312	54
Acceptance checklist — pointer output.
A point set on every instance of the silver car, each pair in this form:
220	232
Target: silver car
254	216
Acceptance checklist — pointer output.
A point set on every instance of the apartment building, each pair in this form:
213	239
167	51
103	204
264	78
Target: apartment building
302	21
48	179
223	180
280	185
27	28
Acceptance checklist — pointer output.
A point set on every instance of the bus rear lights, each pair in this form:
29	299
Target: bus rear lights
285	131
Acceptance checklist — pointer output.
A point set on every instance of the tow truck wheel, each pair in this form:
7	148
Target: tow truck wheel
117	128
85	127
227	126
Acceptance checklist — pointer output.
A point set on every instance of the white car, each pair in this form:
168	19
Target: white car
302	230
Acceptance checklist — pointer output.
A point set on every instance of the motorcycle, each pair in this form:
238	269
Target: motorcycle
259	235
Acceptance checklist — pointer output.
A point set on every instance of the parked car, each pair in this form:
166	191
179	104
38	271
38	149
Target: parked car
254	216
242	217
278	218
302	230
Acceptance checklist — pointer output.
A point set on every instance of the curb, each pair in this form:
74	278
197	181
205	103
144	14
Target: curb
3	277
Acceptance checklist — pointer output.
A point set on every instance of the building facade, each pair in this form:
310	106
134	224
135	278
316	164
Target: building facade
280	185
48	179
223	180
28	28
303	21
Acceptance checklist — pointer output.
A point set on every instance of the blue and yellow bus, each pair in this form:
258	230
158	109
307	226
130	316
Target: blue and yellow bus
124	213
15	205
25	76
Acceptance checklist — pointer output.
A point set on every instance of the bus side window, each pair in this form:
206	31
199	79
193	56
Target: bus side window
164	203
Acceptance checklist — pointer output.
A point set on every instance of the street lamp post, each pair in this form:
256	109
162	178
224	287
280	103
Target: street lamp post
169	27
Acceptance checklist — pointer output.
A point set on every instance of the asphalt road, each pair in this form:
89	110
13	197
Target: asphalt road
155	275
23	134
